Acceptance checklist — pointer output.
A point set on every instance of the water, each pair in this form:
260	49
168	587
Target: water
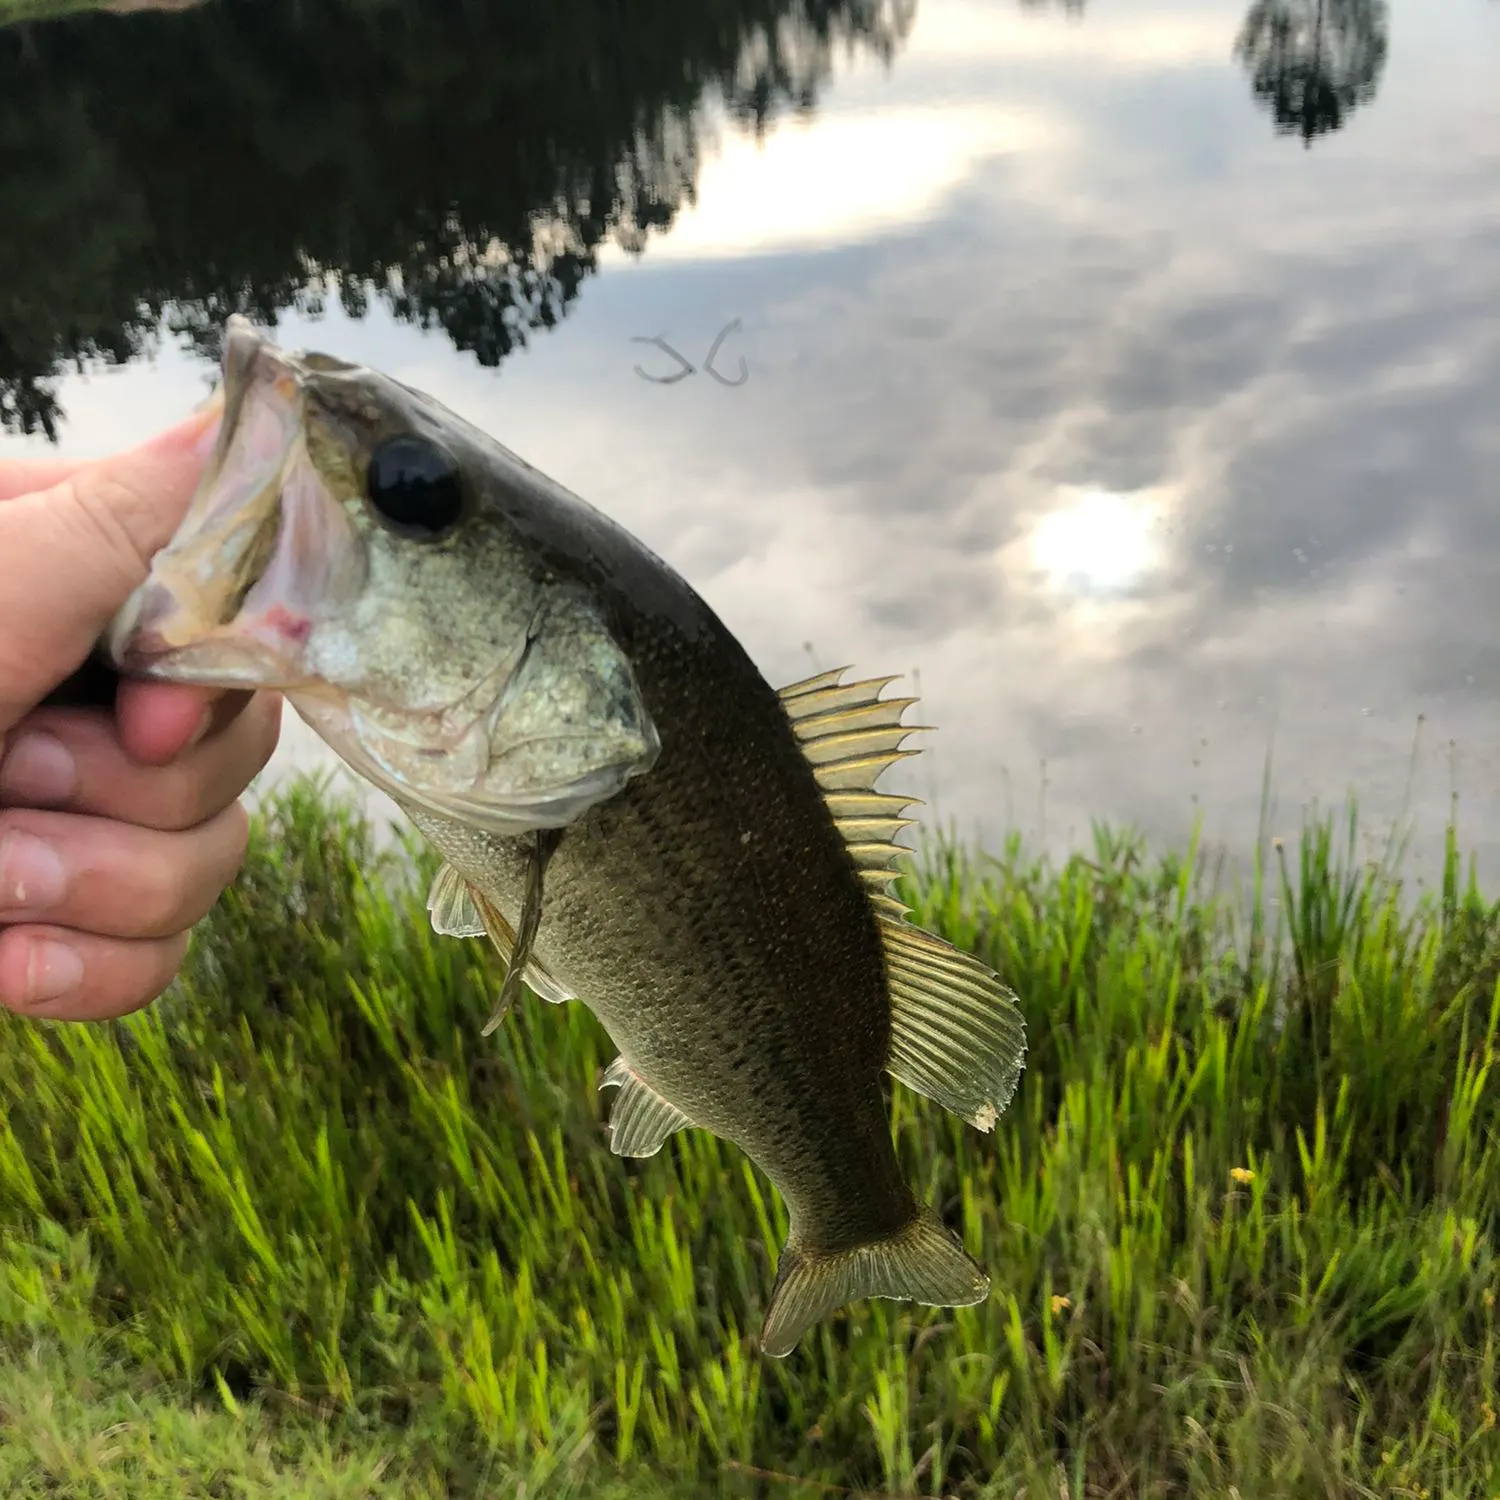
1130	374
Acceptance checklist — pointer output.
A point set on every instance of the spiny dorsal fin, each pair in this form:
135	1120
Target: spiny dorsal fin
957	1033
641	1119
851	734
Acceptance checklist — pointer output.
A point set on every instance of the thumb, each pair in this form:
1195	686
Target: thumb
71	555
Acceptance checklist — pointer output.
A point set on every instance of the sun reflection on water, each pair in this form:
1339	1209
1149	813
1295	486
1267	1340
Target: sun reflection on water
1099	542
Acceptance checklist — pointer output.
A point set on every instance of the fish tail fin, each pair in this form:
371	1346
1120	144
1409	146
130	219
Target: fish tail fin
922	1262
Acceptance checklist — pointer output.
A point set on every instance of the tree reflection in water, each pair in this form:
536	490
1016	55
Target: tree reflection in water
460	163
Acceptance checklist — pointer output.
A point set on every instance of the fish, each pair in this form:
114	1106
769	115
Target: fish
622	804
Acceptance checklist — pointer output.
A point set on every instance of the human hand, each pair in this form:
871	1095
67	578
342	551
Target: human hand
118	830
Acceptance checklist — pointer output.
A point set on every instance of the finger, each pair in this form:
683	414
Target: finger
74	553
52	974
159	720
20	476
72	760
115	879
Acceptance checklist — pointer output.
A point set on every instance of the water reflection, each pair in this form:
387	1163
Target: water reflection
1312	61
459	163
1098	542
1149	441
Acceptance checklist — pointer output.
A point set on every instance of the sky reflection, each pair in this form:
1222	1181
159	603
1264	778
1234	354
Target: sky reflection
1149	440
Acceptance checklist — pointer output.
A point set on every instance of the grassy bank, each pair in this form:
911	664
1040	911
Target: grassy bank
300	1230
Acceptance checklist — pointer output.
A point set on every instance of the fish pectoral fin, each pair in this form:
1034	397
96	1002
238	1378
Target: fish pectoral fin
545	986
641	1119
957	1033
451	906
542	845
461	910
503	936
924	1262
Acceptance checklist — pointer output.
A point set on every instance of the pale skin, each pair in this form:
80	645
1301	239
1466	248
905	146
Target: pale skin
118	831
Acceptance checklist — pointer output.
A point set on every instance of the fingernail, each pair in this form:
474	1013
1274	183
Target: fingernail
38	770
52	970
31	875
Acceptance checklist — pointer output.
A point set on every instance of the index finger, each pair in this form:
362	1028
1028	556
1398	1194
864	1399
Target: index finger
156	720
159	720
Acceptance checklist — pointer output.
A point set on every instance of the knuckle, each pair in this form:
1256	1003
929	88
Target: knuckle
164	895
179	797
253	738
167	957
126	987
206	868
102	500
268	721
232	842
239	836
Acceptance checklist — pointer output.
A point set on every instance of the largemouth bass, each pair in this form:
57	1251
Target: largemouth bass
633	815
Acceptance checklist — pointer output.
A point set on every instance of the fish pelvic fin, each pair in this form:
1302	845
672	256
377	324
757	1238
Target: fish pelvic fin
922	1262
957	1033
452	907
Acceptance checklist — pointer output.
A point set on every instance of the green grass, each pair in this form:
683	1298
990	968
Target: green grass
299	1230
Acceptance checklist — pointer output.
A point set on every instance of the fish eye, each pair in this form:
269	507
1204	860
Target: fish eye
415	487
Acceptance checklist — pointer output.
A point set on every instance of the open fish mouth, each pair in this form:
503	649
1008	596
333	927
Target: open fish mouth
264	550
336	550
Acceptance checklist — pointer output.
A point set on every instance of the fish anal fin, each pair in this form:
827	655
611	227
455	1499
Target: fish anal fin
922	1262
957	1034
640	1120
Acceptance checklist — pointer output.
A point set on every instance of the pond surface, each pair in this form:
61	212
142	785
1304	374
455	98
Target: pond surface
1130	373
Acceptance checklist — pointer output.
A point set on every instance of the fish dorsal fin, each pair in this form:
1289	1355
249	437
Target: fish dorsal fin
850	734
458	910
641	1119
957	1033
